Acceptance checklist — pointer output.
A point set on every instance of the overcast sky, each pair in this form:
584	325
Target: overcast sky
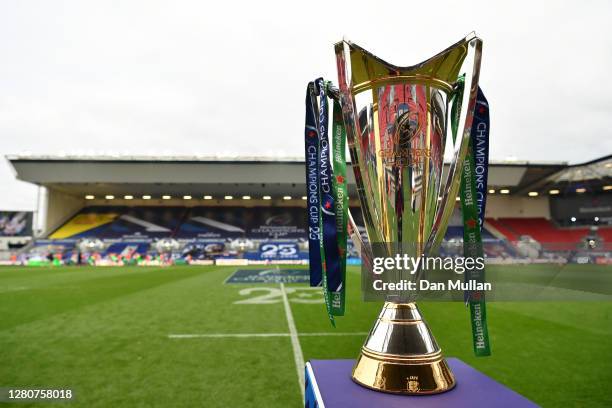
224	78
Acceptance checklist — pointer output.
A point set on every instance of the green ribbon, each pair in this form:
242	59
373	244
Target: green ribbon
472	248
340	201
335	300
472	240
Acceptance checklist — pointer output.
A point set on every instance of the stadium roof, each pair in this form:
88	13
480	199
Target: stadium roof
178	175
589	176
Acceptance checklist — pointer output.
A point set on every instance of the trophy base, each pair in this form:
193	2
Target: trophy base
394	377
401	356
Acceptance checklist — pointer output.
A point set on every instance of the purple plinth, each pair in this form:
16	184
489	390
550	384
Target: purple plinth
329	382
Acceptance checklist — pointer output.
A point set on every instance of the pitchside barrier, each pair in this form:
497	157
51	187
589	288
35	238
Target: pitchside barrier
591	250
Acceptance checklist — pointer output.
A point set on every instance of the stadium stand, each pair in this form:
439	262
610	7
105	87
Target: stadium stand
542	230
199	222
184	223
546	232
253	209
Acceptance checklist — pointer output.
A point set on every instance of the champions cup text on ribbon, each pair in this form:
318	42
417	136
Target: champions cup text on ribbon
480	151
327	199
473	201
311	134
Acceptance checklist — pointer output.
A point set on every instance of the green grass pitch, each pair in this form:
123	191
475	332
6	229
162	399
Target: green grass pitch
104	332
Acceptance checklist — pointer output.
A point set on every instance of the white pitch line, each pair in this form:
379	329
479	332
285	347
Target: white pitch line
224	335
298	355
248	335
334	334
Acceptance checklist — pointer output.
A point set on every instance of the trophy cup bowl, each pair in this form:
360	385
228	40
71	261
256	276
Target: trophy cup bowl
398	129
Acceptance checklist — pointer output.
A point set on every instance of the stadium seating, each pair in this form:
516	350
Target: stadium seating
605	233
198	222
122	222
184	222
130	230
546	232
127	248
456	231
505	231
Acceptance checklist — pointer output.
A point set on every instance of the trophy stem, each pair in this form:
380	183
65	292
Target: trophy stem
401	355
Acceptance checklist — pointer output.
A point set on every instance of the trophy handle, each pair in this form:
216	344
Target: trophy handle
453	178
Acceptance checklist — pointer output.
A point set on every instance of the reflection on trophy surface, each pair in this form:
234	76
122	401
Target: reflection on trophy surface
399	129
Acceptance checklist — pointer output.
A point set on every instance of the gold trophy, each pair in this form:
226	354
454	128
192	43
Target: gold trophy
399	133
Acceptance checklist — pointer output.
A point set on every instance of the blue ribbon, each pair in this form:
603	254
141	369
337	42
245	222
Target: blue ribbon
480	148
311	136
327	205
323	252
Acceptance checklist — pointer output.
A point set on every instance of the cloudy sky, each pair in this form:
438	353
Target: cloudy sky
224	78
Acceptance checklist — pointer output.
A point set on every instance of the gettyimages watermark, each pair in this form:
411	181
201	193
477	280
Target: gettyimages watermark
407	267
403	272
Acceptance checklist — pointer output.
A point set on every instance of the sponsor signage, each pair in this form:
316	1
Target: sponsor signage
279	251
270	275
